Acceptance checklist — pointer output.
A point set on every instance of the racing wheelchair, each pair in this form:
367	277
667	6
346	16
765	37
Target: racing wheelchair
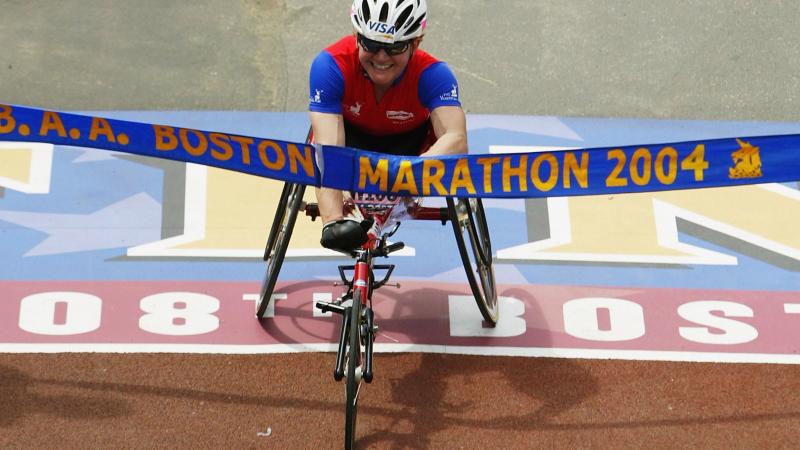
358	328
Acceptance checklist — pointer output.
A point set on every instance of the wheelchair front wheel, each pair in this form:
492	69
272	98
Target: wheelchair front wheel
468	218
355	366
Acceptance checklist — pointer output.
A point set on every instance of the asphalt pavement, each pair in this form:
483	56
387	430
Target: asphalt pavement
675	59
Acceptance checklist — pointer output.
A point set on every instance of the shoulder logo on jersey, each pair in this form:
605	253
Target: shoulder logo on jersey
746	160
451	95
317	97
399	116
356	109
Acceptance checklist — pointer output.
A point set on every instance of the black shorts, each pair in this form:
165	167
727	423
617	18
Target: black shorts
410	143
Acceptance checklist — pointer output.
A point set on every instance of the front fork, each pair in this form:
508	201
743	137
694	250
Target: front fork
365	326
365	329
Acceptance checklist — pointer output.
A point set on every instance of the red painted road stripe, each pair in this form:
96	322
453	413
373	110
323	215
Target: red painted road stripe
424	314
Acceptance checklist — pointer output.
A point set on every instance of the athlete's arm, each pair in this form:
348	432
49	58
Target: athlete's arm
438	91
450	127
326	87
328	130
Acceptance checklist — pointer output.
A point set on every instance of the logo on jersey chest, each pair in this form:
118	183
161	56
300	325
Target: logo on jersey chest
356	109
399	116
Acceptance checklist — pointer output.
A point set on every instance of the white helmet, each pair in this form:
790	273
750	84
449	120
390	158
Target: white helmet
389	21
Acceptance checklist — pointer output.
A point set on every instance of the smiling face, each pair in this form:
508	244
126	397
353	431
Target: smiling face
381	67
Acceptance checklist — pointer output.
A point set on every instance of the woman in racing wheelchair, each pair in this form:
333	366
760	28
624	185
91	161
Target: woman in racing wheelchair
377	90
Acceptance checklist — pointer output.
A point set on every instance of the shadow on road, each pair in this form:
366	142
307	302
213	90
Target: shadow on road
21	395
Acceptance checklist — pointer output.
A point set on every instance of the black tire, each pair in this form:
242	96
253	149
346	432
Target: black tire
353	372
468	217
280	211
278	241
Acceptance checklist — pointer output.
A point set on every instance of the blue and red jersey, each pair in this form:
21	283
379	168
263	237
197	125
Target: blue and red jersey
339	85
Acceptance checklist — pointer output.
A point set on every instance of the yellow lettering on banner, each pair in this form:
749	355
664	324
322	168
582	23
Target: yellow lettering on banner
244	144
165	138
194	150
280	158
552	179
223	150
572	169
696	162
7	122
487	164
671	155
405	180
101	127
378	175
433	179
641	166
306	159
462	179
613	179
521	172
51	121
641	157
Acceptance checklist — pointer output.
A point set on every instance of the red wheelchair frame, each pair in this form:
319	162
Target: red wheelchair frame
354	354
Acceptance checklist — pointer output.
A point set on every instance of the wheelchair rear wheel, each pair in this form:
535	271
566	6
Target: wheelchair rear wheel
278	241
468	218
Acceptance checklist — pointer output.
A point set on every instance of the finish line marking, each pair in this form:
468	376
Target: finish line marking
536	321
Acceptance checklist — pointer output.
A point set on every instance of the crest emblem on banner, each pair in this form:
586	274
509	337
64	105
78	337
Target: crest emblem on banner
746	161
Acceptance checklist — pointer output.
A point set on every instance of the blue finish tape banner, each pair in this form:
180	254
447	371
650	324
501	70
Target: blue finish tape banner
597	171
613	170
268	158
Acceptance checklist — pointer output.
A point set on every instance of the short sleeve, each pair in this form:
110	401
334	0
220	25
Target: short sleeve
438	87
326	85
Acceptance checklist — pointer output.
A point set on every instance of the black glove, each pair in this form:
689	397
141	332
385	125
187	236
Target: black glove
345	234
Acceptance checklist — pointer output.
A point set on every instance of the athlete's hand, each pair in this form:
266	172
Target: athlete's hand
345	234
